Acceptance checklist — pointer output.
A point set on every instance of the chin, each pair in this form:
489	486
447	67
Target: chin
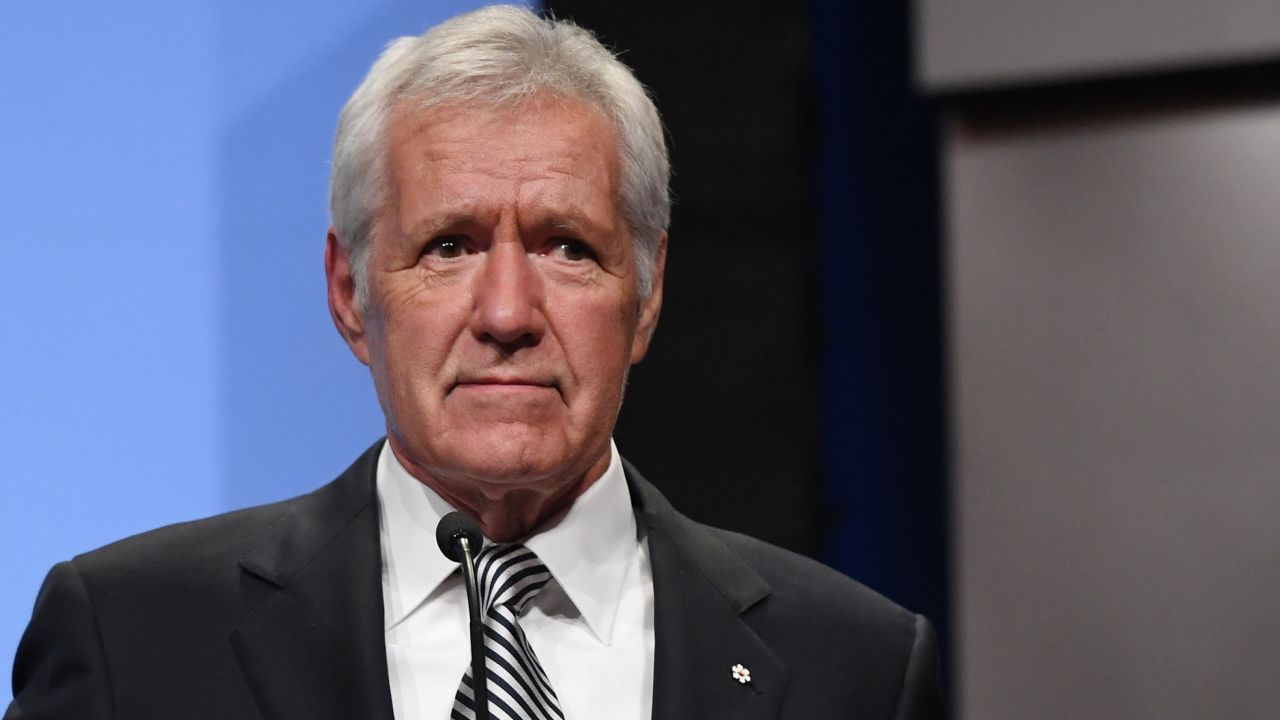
514	456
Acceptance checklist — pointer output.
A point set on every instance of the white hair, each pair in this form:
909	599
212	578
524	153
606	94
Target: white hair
496	57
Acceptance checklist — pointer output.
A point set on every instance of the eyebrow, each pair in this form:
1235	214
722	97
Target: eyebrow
574	220
431	226
571	222
567	221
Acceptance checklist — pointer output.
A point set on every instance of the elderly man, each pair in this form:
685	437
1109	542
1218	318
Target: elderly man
499	207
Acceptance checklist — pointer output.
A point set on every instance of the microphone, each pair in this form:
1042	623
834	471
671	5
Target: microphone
453	529
460	540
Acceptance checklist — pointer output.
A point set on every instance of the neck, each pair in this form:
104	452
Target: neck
513	514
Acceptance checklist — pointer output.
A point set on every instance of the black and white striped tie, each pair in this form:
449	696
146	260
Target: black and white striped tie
508	577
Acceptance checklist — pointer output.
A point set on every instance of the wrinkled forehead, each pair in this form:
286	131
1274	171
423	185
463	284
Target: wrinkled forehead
561	153
566	129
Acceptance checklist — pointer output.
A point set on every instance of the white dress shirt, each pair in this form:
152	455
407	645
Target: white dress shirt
591	626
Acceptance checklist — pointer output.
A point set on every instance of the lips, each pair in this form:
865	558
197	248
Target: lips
505	382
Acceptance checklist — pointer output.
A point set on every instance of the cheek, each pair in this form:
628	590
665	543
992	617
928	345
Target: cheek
416	352
413	346
597	342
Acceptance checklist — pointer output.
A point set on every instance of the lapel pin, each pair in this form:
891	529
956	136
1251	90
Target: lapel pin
741	674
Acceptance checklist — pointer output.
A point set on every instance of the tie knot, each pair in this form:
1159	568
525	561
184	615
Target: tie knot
510	576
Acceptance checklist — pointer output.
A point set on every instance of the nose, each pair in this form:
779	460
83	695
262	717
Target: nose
508	298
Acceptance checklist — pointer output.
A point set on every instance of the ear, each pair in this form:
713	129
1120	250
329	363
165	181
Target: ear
347	316
650	307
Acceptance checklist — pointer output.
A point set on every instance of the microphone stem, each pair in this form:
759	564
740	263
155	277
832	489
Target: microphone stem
479	673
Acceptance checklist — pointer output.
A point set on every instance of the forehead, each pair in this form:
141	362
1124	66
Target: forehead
538	138
547	162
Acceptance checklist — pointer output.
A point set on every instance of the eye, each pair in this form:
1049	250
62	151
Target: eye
571	249
447	247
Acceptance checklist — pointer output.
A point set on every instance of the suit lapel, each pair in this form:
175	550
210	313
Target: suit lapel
702	595
311	643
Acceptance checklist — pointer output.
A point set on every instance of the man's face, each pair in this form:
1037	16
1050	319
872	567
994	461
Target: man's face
503	312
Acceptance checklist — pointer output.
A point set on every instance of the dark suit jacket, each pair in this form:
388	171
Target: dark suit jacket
276	612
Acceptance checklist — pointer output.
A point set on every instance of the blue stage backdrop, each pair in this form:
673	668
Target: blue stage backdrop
167	350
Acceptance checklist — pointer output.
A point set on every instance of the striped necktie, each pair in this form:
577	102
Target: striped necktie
508	577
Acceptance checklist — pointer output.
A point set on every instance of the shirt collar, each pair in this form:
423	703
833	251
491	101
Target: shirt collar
412	564
588	548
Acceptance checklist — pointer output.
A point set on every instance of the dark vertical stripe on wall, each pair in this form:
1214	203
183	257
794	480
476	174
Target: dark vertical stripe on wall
882	407
723	413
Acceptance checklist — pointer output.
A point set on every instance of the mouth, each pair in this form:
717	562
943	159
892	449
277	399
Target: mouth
505	383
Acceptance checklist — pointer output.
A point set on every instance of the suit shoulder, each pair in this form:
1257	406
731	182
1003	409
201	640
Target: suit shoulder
189	545
212	541
803	584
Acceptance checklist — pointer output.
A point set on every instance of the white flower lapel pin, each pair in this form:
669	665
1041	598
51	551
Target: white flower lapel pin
741	674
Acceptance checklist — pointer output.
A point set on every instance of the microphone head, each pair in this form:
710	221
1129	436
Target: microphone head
452	528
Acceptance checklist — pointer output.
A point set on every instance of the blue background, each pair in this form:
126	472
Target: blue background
167	351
